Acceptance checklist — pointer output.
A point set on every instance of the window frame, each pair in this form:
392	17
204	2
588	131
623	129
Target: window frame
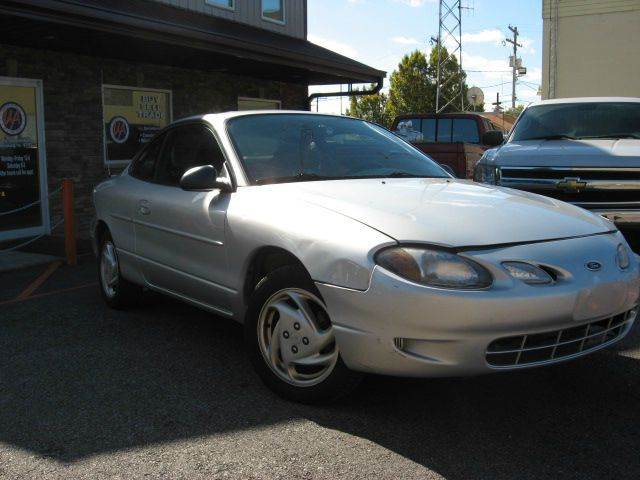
170	129
213	3
273	20
162	133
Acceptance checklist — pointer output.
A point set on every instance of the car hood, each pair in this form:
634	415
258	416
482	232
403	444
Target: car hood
570	153
447	212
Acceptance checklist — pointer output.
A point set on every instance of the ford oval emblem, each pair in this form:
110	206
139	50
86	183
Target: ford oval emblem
594	266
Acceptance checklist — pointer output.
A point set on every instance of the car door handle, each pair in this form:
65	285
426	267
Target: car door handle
144	207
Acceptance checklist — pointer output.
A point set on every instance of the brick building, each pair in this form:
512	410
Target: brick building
84	83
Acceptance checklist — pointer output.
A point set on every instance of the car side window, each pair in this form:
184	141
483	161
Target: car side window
429	129
444	130
143	166
465	130
186	147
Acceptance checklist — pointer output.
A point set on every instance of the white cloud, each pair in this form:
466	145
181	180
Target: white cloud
338	47
405	40
355	1
415	3
484	36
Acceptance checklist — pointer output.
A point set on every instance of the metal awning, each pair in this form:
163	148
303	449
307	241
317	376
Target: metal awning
151	32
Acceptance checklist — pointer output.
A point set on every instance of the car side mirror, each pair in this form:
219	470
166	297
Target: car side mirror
493	138
203	179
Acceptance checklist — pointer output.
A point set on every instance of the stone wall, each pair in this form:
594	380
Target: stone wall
72	90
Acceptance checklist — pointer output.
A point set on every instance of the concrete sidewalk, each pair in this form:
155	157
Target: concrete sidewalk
16	260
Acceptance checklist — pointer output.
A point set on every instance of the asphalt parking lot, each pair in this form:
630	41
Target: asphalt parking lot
166	391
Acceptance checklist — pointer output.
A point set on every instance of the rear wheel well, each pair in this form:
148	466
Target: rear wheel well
265	261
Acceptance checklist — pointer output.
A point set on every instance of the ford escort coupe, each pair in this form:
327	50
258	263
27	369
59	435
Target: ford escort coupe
343	250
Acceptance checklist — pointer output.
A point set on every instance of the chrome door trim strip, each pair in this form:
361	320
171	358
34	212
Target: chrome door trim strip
215	243
124	218
196	303
185	274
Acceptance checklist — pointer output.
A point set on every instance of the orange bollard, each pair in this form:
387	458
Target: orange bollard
69	222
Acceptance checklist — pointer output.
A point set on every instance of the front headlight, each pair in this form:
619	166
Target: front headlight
622	257
484	173
436	268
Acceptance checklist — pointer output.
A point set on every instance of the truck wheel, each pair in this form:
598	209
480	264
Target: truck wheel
290	340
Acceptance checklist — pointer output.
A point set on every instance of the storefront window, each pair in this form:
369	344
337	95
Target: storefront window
22	196
132	116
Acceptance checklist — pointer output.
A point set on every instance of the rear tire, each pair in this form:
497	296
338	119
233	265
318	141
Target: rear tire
117	292
290	340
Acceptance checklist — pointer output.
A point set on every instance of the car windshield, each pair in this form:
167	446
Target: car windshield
579	121
277	148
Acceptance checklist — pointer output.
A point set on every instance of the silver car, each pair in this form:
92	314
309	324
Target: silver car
345	250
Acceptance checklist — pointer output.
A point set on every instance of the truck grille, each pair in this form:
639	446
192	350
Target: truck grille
548	347
586	187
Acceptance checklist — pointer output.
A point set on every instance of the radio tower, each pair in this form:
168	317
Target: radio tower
449	34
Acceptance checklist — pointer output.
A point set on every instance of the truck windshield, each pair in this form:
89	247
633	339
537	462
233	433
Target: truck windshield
278	148
579	121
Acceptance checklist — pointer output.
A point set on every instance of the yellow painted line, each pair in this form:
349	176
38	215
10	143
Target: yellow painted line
33	286
47	294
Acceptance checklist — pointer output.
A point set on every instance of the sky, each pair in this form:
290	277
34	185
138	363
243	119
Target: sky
379	32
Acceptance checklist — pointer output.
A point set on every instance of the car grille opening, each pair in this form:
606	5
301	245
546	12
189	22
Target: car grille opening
536	348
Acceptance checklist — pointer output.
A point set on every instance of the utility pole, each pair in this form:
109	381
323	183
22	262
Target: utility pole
514	63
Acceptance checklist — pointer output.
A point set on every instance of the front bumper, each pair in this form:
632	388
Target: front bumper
400	328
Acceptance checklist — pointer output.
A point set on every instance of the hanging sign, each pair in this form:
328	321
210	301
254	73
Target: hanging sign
131	118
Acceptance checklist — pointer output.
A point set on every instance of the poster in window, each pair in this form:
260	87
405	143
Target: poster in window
132	117
19	168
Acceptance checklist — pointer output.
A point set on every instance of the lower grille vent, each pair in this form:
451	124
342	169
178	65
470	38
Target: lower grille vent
537	348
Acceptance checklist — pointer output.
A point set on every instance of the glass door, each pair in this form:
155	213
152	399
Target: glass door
24	209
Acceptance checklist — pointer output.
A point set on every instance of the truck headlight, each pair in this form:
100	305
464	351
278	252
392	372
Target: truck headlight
436	268
484	173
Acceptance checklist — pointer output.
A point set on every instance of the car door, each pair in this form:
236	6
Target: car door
180	235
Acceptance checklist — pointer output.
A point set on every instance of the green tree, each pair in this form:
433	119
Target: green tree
413	84
514	112
372	108
412	89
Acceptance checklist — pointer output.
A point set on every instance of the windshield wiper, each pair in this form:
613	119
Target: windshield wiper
612	136
552	137
300	177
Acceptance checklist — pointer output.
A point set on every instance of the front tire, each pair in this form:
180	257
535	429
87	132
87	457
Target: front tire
117	292
290	340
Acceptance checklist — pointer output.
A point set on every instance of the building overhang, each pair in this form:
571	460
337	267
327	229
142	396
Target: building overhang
151	32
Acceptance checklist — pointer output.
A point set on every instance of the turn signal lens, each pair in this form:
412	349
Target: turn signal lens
622	258
527	273
435	268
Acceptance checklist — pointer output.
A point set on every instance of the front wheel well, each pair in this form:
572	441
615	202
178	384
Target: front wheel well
265	261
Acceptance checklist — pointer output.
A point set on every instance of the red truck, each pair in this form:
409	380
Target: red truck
456	140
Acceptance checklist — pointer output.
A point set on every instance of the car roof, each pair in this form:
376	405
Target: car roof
588	100
216	118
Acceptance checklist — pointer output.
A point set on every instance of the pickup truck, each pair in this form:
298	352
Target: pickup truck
585	151
455	140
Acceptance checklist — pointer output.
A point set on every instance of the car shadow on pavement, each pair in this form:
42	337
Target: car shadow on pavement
77	379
